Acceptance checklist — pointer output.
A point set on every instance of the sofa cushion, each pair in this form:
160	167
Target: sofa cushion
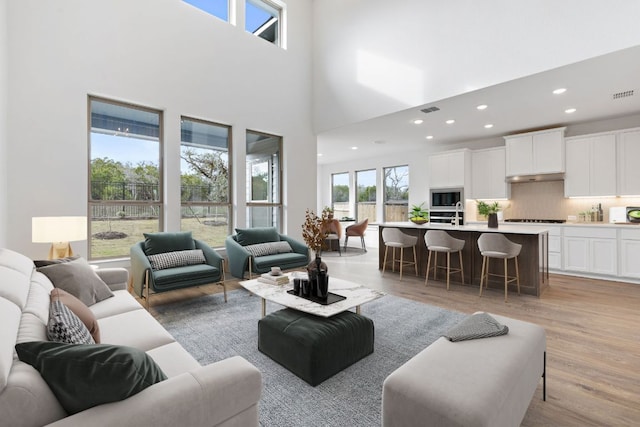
79	279
188	275
79	309
85	375
157	243
251	236
65	327
176	259
269	248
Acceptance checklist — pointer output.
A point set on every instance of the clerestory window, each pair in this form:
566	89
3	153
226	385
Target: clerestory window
264	18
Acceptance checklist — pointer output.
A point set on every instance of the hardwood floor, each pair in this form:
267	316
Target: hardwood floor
592	326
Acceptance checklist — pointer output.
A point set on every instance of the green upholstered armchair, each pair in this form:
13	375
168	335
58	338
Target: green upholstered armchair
258	249
167	261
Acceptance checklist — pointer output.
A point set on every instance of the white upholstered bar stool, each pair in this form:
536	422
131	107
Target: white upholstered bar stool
441	241
495	245
395	238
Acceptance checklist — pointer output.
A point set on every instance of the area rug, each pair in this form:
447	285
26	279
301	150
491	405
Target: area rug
212	330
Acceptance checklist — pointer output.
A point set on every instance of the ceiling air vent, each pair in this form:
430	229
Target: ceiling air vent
430	110
625	94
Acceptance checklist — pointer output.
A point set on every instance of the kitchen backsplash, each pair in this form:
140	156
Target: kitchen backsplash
545	200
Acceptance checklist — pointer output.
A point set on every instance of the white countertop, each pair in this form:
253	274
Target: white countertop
480	227
625	225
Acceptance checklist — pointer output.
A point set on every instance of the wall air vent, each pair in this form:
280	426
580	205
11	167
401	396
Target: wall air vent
430	110
625	94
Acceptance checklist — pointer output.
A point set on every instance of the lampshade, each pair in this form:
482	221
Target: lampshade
58	230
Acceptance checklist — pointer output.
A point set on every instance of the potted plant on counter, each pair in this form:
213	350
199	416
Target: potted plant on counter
489	210
328	212
418	214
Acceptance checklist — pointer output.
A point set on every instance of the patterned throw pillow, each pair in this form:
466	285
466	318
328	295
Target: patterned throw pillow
269	248
66	327
177	259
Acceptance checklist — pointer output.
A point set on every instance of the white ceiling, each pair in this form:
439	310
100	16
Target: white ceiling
513	107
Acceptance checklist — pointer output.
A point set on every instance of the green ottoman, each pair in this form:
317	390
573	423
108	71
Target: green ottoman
315	348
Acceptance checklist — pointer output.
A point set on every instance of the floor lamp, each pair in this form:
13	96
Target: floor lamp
59	231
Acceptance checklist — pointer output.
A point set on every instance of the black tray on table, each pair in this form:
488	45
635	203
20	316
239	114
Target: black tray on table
331	298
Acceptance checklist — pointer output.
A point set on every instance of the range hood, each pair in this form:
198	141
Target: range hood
535	178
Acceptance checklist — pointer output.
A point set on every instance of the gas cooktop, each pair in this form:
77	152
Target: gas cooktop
547	221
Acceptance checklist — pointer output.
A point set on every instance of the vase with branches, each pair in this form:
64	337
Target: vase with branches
314	235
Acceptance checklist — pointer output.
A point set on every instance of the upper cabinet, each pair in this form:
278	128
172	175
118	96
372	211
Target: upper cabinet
628	155
535	153
488	173
449	169
591	165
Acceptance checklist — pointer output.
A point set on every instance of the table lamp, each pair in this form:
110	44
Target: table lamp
59	231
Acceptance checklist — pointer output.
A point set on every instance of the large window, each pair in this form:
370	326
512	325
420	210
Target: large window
205	180
264	180
396	193
264	19
218	8
125	176
366	195
340	194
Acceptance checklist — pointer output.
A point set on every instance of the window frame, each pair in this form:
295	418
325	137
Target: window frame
276	206
403	211
272	7
229	203
91	203
357	193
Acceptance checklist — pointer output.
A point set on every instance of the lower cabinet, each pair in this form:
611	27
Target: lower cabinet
629	253
555	248
590	250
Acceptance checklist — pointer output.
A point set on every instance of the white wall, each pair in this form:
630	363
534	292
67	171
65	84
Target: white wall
3	123
374	57
162	54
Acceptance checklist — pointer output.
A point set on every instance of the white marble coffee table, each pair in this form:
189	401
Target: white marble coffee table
355	294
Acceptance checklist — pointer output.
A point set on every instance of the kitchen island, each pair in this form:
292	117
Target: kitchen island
533	261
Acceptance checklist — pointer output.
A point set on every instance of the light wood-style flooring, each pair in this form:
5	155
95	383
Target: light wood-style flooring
592	326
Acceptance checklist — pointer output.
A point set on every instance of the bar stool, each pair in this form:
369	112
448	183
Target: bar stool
495	245
441	241
395	238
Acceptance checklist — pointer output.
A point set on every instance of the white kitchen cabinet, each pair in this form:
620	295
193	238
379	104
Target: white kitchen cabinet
555	248
628	170
590	250
534	153
590	166
629	250
449	169
488	174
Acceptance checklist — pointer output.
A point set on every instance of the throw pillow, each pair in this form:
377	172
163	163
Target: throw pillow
85	375
66	327
271	248
79	309
251	236
158	243
177	259
45	262
79	279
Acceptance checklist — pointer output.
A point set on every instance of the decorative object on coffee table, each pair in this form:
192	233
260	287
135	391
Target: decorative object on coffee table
313	235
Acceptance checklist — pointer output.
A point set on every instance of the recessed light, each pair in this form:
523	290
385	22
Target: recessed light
482	107
488	126
429	136
319	154
570	110
354	148
450	121
379	141
559	91
418	121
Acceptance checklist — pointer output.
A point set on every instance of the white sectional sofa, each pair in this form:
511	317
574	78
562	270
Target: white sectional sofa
225	393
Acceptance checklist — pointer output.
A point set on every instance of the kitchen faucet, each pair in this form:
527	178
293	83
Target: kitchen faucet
456	222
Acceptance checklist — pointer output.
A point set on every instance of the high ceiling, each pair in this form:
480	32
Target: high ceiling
599	88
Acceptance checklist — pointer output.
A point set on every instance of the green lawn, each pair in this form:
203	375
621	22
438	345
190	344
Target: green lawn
214	235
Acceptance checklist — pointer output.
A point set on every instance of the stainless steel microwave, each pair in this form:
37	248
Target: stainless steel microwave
446	199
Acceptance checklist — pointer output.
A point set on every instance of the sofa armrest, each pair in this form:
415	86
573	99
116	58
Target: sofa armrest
238	257
297	246
207	396
116	278
139	266
212	256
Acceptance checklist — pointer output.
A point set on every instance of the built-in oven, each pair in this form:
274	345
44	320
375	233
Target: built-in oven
446	199
446	217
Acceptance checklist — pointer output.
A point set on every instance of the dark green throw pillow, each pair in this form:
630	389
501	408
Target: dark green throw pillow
86	375
159	243
252	236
